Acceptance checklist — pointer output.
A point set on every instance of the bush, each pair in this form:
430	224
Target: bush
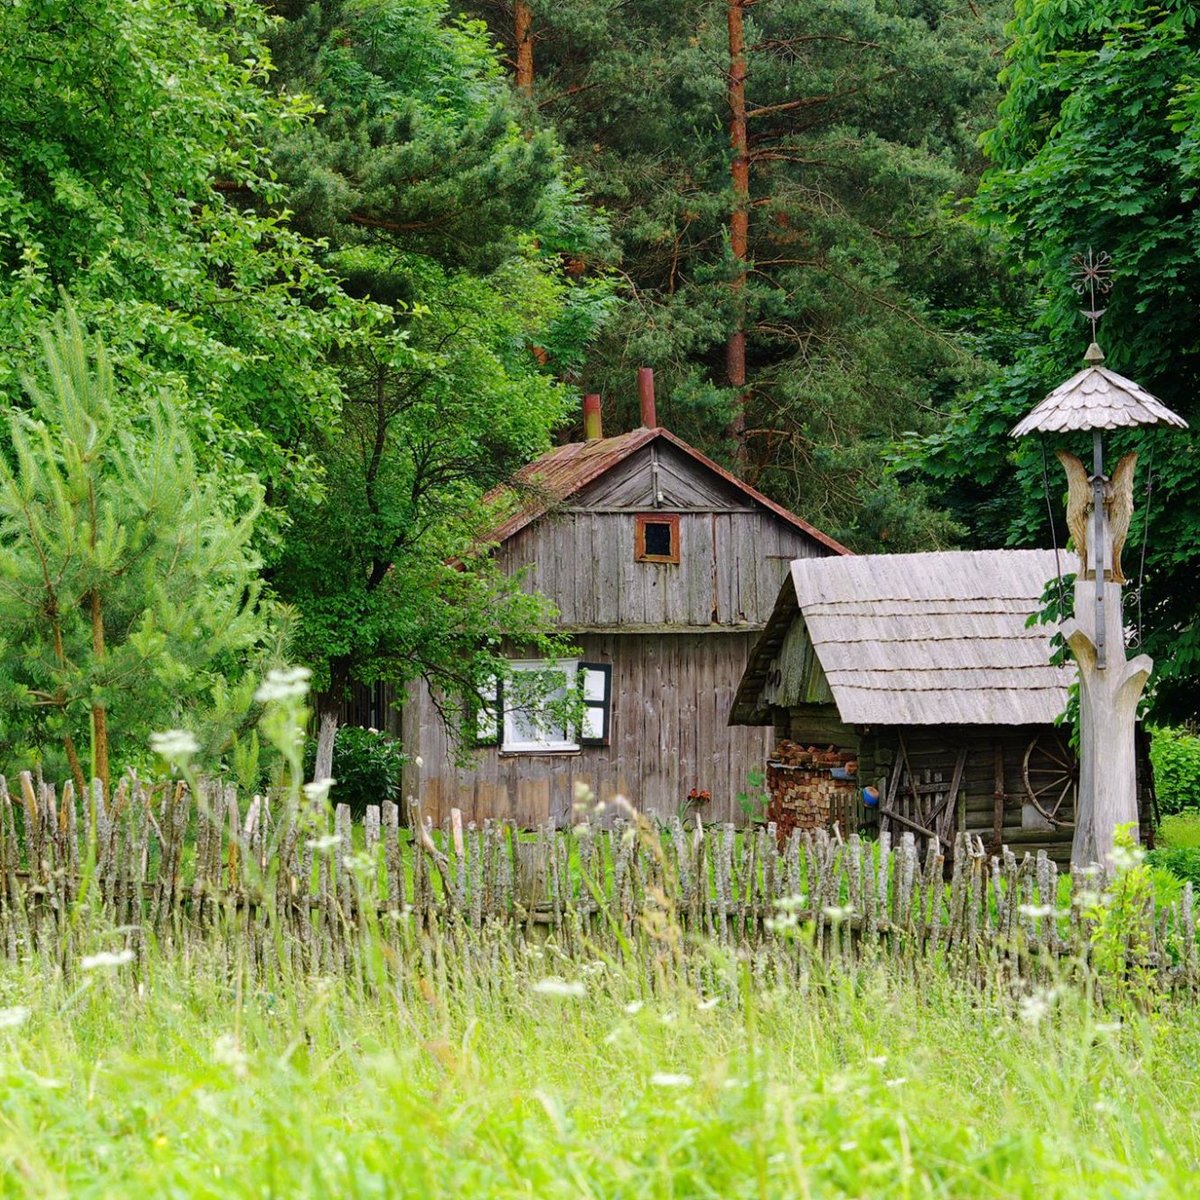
1175	754
366	765
1182	861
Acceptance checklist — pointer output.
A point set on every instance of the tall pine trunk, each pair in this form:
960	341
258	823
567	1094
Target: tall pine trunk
739	223
523	37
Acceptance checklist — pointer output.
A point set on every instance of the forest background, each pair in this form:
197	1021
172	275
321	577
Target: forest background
323	273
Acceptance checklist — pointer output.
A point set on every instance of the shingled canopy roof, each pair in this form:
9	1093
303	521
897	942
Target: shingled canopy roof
566	470
1096	398
921	639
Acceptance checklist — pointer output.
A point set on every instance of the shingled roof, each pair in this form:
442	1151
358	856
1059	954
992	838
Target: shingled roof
921	639
566	470
1096	398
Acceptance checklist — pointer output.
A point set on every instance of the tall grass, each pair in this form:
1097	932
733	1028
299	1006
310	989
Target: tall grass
191	1075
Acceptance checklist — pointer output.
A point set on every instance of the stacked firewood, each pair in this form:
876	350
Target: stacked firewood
802	788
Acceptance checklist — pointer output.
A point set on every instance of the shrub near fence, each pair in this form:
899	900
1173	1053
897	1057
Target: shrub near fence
186	868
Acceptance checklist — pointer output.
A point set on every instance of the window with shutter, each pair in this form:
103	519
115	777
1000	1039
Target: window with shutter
595	685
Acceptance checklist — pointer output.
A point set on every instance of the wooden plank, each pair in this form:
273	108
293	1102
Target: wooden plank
533	802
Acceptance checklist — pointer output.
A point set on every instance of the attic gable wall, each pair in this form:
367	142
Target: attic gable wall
731	566
682	483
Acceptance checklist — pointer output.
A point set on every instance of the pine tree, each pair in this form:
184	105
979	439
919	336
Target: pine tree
128	591
781	178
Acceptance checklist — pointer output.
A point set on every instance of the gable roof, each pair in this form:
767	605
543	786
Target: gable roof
564	471
921	639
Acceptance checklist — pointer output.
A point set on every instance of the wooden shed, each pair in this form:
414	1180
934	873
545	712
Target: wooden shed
664	568
918	675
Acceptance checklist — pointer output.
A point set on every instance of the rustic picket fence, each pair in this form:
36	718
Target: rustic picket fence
154	860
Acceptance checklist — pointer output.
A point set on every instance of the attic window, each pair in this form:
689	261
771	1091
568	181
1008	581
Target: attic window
656	538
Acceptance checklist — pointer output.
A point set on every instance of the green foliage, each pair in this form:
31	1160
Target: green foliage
128	582
432	200
862	123
1175	755
1181	861
133	174
367	767
1123	926
1180	830
1096	146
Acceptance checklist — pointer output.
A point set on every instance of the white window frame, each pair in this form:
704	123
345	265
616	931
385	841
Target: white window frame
546	742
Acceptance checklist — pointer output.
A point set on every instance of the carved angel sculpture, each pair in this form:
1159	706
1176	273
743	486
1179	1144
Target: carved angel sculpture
1118	508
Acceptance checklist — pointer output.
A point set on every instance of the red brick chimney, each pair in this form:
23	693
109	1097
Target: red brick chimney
592	426
646	391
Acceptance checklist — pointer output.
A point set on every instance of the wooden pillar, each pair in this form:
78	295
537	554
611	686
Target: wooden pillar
1109	693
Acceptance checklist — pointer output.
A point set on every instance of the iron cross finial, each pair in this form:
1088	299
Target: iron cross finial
1093	274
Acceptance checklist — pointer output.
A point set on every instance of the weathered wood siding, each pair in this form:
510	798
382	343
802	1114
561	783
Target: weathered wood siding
671	698
733	555
730	569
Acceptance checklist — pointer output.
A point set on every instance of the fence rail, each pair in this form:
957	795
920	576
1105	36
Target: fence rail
160	860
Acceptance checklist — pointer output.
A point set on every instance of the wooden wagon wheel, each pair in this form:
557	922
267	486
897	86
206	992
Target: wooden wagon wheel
1051	775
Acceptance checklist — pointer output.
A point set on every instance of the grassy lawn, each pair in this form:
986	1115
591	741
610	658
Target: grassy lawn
190	1081
1181	831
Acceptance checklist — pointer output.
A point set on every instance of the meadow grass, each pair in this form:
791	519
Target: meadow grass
1180	830
181	1075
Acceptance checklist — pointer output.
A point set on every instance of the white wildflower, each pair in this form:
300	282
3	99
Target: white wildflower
583	830
899	1081
1034	1007
665	1080
846	1147
227	1053
791	903
321	844
175	745
878	1060
780	924
1125	858
709	1004
838	913
318	790
553	986
106	960
12	1018
669	1018
1087	899
372	729
1035	910
633	1007
288	684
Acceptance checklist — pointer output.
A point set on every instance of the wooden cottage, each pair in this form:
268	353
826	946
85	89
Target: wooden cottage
917	675
664	568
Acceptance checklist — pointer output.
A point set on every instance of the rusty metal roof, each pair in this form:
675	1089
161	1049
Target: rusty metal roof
562	472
